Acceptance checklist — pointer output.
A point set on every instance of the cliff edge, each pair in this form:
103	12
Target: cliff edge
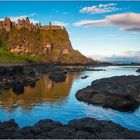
49	44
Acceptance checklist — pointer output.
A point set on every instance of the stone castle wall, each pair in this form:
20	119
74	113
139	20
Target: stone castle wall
7	24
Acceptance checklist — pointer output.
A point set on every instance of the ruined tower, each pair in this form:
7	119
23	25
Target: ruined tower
1	24
50	25
7	24
14	25
27	24
21	23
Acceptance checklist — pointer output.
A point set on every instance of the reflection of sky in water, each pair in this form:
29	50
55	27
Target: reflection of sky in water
58	102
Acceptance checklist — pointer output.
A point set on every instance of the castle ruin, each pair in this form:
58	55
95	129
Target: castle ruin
7	24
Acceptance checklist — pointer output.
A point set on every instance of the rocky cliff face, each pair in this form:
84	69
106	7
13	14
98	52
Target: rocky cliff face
51	46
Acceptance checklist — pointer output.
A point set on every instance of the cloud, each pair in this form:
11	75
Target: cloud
93	23
124	57
60	23
33	14
124	21
101	8
15	18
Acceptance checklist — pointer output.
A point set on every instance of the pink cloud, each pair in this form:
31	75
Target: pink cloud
124	21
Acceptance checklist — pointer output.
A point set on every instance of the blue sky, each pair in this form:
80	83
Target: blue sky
94	28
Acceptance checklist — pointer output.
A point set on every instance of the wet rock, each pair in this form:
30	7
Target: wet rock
84	77
32	74
47	125
17	70
120	93
36	130
87	124
62	133
18	87
29	81
85	128
78	69
8	129
1	84
28	74
4	70
74	69
27	132
0	90
8	84
81	134
58	76
33	84
90	69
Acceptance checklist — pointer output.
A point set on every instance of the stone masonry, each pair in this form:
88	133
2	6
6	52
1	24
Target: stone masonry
7	24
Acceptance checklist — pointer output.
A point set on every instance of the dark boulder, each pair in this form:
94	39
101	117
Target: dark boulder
32	74
27	132
84	77
57	76
28	80
85	128
8	84
9	129
47	125
120	93
77	69
17	70
4	71
90	69
33	84
18	87
81	134
63	132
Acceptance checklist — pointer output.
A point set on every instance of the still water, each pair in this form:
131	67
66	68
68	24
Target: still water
50	100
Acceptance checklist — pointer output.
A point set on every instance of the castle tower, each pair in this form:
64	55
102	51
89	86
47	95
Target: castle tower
50	25
1	24
7	24
39	24
21	23
27	24
27	19
31	25
14	25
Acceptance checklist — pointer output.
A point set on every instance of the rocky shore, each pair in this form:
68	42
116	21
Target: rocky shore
121	93
85	128
18	75
80	69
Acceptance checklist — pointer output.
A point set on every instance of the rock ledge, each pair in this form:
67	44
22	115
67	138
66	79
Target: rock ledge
121	93
85	128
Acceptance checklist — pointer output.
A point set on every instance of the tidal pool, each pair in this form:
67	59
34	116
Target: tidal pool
50	100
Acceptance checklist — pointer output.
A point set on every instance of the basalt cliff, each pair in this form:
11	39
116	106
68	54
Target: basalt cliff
24	41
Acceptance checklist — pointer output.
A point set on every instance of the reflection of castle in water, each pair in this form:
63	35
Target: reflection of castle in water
45	91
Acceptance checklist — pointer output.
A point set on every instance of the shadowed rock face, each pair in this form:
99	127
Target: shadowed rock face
85	128
120	93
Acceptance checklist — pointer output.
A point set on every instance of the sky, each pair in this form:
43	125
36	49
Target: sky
108	31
